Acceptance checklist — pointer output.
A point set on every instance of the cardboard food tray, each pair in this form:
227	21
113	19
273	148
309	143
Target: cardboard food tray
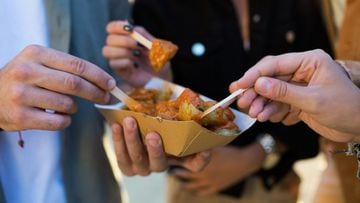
180	138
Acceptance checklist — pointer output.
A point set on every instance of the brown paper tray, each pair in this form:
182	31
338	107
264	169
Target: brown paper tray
180	138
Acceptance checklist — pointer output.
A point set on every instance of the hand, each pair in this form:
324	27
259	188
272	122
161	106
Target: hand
314	87
127	58
40	78
228	165
135	158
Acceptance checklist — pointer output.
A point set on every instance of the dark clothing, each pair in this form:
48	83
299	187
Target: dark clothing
276	27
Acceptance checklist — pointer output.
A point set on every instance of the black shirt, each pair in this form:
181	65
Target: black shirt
276	26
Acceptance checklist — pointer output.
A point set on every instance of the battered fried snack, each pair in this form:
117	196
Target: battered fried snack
188	106
161	52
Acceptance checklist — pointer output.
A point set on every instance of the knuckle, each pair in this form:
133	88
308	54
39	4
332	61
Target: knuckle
18	116
268	57
138	159
68	105
158	169
141	171
105	51
78	66
72	83
127	172
60	123
145	173
321	55
18	93
122	163
109	39
280	90
319	52
33	50
20	71
124	64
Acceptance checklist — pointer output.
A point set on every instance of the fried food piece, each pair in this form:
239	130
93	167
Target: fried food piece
187	106
218	117
142	94
167	110
229	129
161	52
188	112
189	96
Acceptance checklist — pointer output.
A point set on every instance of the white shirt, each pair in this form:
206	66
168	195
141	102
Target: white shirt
33	173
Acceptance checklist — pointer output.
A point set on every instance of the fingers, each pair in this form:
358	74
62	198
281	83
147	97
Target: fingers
43	99
283	65
257	106
23	119
284	92
67	83
117	27
122	65
292	117
184	174
273	111
112	52
135	147
157	156
133	157
194	162
121	41
195	182
246	99
122	155
66	63
144	32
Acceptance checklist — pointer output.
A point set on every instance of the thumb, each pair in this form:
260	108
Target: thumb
282	91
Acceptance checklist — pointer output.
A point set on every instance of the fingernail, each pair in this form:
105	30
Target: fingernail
111	84
153	143
153	140
128	28
116	128
136	53
129	123
263	85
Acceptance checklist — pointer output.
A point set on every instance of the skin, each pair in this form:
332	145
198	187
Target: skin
223	171
40	78
136	158
119	50
133	157
308	86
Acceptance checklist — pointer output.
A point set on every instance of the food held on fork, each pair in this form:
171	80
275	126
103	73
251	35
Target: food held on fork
160	53
188	106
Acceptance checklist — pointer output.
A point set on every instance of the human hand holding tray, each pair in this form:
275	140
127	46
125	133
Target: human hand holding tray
180	138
